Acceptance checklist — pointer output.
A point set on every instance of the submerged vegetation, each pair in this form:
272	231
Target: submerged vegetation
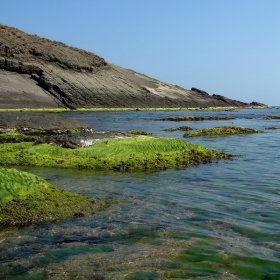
26	198
220	131
125	154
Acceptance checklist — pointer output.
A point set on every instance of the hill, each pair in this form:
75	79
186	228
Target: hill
39	73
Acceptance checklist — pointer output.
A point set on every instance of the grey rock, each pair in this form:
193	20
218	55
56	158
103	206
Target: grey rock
74	78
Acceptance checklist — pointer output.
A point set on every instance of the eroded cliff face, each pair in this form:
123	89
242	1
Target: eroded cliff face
37	72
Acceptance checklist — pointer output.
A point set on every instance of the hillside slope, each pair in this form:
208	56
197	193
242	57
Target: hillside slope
36	72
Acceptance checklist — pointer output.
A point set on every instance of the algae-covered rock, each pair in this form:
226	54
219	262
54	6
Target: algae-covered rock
140	153
220	131
192	119
25	198
139	132
181	128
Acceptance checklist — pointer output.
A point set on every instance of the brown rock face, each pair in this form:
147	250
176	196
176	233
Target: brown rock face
37	72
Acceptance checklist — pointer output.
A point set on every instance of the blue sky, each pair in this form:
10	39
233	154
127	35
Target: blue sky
226	47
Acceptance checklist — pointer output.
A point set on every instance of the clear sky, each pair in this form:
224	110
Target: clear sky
226	47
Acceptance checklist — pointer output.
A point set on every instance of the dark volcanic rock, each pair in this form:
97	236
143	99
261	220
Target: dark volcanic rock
37	72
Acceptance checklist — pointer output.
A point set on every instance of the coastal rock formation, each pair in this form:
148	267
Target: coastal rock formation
36	72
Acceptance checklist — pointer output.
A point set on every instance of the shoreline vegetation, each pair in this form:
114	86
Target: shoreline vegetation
60	110
27	199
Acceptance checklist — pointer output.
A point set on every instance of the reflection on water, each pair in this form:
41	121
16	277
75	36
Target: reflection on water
218	221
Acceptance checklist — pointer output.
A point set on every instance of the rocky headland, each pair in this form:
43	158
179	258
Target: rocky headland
39	73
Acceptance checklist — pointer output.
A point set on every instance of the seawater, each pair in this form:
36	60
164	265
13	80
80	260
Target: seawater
214	221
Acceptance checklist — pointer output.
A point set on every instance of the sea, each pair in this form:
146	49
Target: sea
212	221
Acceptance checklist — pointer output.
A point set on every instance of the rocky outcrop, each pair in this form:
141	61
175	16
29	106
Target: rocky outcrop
19	66
51	74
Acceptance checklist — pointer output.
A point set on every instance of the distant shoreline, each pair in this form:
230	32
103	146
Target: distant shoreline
60	110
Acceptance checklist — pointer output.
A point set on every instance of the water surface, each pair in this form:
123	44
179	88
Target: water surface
214	221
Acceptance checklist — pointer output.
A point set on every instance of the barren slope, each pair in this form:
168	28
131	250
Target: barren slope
37	72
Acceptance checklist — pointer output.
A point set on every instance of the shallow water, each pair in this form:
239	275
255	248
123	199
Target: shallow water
214	221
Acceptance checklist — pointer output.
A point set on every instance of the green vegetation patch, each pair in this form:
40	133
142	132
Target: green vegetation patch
220	131
25	198
139	132
14	136
123	154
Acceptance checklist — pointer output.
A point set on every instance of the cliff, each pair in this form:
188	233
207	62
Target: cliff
36	72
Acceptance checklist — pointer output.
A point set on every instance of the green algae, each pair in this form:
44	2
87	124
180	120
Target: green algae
25	199
125	154
139	132
204	260
220	131
62	254
14	136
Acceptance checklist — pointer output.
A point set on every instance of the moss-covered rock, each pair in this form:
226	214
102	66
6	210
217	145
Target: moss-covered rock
220	131
124	154
14	136
25	198
139	132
